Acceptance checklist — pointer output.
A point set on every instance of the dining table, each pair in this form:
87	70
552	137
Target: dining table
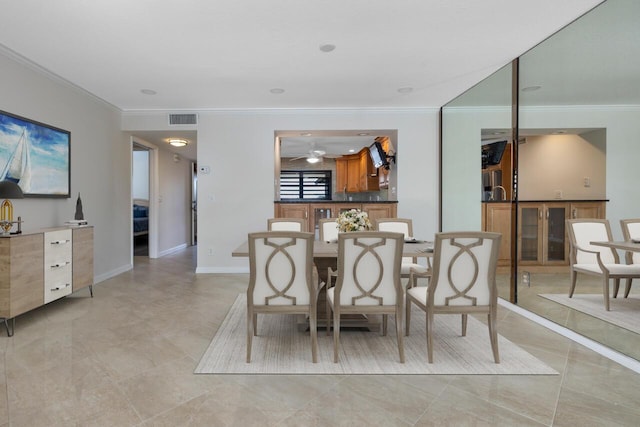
623	245
325	256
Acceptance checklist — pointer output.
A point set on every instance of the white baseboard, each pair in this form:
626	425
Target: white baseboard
222	270
108	275
172	250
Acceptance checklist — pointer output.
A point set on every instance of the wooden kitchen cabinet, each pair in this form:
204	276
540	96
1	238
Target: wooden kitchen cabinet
542	239
588	210
294	210
355	173
368	174
379	210
497	219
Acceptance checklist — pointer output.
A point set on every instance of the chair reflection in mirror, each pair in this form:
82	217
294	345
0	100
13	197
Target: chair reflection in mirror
596	260
463	282
282	280
367	281
631	233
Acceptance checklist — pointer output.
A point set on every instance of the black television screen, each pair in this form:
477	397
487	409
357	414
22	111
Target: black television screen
378	156
492	153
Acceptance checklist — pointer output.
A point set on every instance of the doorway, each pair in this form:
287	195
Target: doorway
144	212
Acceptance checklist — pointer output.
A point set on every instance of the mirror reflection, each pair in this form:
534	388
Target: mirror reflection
579	96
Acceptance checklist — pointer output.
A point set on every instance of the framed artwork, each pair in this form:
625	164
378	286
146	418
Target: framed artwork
36	156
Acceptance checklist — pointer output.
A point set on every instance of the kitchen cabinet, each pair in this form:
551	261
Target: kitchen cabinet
543	239
588	210
355	173
313	212
497	219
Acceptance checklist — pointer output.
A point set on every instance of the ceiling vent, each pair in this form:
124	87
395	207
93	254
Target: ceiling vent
183	119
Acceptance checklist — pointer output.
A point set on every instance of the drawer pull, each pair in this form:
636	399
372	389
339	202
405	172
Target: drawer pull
58	288
61	265
60	242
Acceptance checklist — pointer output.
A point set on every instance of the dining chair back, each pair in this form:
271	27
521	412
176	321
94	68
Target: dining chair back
631	232
286	224
282	279
596	260
367	281
328	229
404	226
463	281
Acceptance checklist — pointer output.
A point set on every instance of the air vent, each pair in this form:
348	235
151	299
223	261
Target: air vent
183	119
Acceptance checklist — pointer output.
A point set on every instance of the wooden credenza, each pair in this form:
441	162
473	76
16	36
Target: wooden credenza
42	266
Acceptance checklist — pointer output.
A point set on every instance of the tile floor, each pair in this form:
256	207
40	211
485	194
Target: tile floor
126	358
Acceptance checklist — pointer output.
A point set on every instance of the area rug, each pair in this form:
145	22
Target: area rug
280	348
624	312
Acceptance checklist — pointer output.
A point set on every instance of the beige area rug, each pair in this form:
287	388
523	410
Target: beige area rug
625	312
281	349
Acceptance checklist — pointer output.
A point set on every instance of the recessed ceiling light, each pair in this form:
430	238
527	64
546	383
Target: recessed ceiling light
351	150
177	142
531	88
148	91
363	134
276	90
305	134
405	90
327	47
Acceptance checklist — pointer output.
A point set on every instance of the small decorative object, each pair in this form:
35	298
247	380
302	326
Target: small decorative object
353	220
79	214
8	190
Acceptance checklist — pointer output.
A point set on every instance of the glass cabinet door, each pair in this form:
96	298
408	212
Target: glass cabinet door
555	240
530	233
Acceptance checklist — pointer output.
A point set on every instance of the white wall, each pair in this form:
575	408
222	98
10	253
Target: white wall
100	160
237	196
552	163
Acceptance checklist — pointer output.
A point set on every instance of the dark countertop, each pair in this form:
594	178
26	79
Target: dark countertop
547	201
342	202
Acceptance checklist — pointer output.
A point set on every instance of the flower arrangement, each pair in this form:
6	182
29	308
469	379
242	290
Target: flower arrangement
353	220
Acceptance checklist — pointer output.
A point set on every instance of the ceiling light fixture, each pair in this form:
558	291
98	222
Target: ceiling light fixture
363	134
148	91
313	159
327	47
277	90
305	134
405	90
178	142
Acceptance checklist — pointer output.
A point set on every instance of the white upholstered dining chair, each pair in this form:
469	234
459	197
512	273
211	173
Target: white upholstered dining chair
282	280
596	260
367	281
631	232
463	282
328	229
286	224
410	269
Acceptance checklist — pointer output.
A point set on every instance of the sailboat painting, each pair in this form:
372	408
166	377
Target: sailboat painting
35	156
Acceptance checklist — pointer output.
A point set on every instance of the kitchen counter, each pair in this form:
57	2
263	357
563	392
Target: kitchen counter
342	202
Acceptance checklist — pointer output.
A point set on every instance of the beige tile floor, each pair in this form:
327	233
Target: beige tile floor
126	358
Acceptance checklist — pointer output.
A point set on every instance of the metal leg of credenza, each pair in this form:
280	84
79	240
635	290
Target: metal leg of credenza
6	325
91	290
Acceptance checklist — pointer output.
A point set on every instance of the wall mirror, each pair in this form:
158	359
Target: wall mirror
579	99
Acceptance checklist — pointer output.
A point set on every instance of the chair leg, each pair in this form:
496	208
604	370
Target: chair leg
336	334
327	309
429	317
493	336
250	331
400	333
407	316
572	288
605	292
385	320
616	287
464	325
255	324
313	329
627	289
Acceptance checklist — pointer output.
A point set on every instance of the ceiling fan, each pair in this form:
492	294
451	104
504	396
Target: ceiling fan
315	155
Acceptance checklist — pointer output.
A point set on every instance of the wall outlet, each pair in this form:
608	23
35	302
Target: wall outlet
210	251
558	194
587	181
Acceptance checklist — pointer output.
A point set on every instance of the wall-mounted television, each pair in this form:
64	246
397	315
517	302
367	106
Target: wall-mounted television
492	153
378	156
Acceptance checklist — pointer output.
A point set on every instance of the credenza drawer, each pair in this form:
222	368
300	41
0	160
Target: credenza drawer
58	269
57	282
